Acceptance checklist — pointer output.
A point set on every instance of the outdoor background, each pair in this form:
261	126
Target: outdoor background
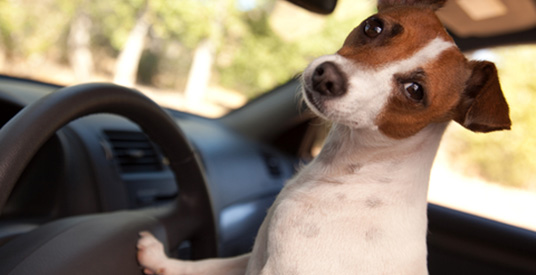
212	56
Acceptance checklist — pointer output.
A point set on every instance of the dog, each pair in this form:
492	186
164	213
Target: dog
360	206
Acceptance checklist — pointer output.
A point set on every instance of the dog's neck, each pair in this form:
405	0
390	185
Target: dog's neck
354	156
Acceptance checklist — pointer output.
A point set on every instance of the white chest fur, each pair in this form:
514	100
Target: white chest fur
358	213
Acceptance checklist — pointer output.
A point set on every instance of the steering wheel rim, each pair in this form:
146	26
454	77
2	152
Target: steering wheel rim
191	217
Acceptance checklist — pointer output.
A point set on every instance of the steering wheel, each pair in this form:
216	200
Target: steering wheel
103	243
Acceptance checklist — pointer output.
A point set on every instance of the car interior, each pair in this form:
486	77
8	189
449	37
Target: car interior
84	168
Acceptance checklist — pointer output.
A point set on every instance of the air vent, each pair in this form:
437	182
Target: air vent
134	152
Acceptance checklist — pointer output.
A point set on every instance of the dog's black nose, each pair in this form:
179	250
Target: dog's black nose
328	80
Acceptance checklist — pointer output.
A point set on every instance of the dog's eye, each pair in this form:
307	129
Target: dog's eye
373	27
414	91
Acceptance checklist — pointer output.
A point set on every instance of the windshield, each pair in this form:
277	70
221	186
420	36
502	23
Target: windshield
212	56
202	56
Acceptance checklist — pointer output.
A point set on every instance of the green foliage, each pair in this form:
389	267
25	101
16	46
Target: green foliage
114	19
250	55
24	32
505	157
262	59
187	20
7	24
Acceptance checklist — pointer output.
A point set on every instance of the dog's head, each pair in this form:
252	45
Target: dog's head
399	71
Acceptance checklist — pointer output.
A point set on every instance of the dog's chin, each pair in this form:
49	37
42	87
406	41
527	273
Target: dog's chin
317	105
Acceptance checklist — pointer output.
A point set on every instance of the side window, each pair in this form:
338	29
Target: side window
494	175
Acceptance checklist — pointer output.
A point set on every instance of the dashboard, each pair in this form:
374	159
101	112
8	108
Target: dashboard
104	163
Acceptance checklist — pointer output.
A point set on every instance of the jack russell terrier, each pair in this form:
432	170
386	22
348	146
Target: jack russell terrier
360	206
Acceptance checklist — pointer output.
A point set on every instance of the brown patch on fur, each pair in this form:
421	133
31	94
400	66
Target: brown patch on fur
309	230
419	26
444	84
373	202
372	234
340	196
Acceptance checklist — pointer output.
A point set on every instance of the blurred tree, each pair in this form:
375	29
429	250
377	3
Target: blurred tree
7	25
169	19
206	38
23	32
79	44
122	26
200	71
129	58
255	57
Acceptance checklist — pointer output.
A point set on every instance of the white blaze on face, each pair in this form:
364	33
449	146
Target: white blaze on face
369	88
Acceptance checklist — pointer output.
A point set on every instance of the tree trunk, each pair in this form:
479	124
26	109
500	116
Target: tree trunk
79	39
200	71
128	61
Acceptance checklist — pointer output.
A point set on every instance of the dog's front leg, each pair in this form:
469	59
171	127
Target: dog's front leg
152	258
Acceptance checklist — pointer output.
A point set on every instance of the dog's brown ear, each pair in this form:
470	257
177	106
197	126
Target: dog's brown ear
433	4
483	107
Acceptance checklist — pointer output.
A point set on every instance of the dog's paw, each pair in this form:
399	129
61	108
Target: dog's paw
151	255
